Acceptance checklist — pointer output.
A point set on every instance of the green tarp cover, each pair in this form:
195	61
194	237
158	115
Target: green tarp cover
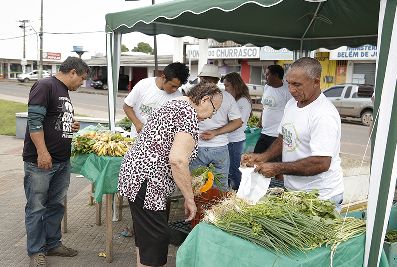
251	137
207	246
102	171
275	23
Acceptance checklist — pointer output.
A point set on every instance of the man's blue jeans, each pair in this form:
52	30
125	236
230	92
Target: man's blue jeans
45	192
235	151
219	157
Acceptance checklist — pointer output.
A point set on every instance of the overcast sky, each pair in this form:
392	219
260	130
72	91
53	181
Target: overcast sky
70	16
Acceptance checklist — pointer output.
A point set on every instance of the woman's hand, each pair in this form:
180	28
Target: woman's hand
190	209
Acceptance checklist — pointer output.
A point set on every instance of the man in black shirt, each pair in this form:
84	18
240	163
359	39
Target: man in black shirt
46	156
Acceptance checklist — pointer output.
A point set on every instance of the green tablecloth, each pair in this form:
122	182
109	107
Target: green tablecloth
102	171
207	245
251	137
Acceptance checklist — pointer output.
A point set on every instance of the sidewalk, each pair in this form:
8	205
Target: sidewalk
83	234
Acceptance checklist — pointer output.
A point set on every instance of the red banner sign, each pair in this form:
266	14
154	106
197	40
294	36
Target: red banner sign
52	55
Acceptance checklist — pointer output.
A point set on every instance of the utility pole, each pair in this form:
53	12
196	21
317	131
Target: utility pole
41	42
156	67
23	26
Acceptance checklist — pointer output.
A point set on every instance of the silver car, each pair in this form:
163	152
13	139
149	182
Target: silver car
352	100
32	76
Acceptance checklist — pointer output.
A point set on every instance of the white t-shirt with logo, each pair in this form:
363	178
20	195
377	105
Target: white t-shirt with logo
145	97
227	112
245	109
314	130
273	101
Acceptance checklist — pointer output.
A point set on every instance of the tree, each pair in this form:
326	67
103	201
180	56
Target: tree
143	47
124	48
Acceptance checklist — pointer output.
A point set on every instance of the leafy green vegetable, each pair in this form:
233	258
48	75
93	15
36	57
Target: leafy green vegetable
253	121
391	236
124	123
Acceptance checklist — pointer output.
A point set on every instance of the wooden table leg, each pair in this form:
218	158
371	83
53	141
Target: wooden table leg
64	223
109	230
90	197
98	206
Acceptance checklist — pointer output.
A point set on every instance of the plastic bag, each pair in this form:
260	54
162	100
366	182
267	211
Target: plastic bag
253	186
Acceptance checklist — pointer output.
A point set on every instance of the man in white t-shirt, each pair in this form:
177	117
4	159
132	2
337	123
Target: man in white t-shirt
309	138
153	92
213	141
275	97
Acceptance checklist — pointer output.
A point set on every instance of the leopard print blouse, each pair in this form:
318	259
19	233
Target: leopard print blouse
148	158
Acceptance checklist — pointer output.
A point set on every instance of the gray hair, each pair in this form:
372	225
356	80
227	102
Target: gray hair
310	66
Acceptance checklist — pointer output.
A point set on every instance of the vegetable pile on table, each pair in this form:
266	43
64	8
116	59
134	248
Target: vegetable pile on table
102	143
285	222
253	121
391	236
203	178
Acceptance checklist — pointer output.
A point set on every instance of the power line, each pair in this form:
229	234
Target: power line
53	33
73	32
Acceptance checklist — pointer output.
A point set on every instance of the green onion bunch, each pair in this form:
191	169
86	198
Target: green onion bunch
285	222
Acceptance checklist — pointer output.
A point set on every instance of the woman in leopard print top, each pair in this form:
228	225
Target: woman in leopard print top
158	161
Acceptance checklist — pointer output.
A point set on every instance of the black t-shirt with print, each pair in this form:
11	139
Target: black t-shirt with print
57	125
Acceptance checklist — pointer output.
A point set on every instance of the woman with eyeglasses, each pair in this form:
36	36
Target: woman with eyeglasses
235	85
157	162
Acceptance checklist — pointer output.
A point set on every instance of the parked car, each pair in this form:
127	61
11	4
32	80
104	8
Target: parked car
99	85
32	76
352	100
102	83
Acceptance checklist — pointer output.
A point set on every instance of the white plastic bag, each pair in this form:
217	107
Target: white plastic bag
253	186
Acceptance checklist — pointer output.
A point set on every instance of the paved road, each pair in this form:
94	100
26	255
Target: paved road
93	103
86	101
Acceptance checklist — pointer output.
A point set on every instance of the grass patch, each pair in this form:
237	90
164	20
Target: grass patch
7	116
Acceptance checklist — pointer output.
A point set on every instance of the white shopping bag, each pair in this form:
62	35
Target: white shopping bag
253	186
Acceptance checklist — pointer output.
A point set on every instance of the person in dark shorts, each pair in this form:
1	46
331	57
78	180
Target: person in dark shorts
157	162
46	155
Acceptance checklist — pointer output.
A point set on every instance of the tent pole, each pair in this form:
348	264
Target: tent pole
384	160
156	65
109	60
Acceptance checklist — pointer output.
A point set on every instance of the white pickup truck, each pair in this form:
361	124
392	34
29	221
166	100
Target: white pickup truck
352	100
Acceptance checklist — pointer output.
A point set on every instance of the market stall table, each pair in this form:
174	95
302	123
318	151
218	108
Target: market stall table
103	172
206	245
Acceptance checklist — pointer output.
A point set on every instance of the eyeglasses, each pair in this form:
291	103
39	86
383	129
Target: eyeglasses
213	108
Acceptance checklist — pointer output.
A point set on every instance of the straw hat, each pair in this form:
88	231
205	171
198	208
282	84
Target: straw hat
210	70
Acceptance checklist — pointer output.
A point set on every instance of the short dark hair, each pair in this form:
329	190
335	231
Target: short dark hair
276	70
74	63
202	89
176	70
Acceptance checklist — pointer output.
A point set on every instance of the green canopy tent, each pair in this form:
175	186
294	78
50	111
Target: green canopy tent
293	24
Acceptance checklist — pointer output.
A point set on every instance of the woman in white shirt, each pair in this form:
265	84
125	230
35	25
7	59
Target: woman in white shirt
235	85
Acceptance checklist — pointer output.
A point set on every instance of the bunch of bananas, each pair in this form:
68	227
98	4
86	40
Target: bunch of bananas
111	148
104	143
